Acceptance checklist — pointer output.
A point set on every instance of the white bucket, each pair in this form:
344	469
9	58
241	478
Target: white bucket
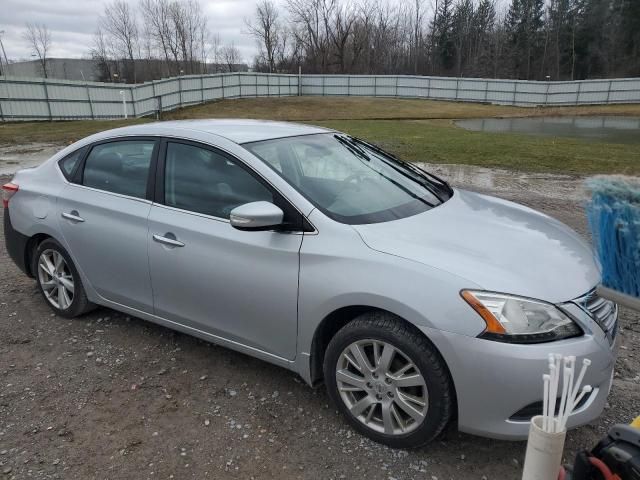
544	452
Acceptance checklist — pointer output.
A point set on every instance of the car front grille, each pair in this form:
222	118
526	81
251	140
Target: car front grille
604	312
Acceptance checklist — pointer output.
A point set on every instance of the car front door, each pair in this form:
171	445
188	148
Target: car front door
241	286
103	217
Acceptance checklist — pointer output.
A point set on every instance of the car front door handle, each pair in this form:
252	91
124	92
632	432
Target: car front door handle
172	242
73	216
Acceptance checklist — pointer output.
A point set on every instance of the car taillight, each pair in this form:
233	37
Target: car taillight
8	191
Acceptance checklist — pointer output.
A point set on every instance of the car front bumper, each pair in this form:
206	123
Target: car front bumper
494	380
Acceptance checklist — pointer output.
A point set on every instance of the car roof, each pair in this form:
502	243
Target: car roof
235	130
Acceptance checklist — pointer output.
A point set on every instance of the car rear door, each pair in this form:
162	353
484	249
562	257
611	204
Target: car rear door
238	285
103	215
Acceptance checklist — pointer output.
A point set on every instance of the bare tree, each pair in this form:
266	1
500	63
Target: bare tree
265	28
100	52
230	56
339	24
157	25
120	23
39	38
308	18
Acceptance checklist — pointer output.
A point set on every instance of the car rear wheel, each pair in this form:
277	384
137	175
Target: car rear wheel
59	281
389	381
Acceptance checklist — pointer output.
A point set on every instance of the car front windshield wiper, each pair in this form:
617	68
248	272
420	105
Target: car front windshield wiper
353	147
442	184
434	188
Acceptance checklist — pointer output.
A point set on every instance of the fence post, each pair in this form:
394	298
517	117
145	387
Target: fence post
515	92
609	91
240	84
299	80
255	77
397	77
546	94
578	93
201	88
180	88
222	75
486	90
348	85
7	90
323	80
375	86
46	96
158	107
457	83
428	87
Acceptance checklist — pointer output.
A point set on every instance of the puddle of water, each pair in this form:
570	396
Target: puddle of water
604	129
16	157
495	181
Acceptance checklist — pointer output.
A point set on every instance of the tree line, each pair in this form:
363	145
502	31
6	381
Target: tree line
157	38
529	39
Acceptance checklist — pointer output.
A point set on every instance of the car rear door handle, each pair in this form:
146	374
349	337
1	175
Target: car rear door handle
73	216
168	241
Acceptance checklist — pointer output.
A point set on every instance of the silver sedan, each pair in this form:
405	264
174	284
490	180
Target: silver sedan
417	304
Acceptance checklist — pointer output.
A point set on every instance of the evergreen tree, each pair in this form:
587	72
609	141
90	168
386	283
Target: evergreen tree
525	26
443	31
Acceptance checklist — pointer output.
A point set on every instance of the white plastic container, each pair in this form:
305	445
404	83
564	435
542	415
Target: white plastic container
544	452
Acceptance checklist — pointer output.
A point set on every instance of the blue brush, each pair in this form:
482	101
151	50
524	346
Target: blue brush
614	219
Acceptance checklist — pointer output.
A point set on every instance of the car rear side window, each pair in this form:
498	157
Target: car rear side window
120	167
204	181
68	163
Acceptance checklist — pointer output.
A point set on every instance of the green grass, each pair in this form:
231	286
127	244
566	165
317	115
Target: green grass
419	130
63	132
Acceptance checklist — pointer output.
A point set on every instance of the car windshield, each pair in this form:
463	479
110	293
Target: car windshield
350	180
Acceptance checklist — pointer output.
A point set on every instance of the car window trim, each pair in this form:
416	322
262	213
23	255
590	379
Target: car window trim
78	174
83	152
159	194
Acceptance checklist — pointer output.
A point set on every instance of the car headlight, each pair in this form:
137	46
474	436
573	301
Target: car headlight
515	319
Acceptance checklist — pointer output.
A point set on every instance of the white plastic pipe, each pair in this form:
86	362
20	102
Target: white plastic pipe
545	401
544	452
553	393
124	104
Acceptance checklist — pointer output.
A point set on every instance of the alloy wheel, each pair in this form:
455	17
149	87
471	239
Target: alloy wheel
56	279
382	387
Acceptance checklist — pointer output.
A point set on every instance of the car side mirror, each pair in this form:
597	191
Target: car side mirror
256	216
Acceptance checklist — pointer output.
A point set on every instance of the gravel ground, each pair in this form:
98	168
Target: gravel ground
110	396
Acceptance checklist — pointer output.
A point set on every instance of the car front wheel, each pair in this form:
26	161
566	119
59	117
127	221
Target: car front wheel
389	381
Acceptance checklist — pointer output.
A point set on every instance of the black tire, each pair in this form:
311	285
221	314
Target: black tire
79	304
385	327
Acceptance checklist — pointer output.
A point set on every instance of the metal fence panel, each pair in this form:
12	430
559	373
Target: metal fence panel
49	99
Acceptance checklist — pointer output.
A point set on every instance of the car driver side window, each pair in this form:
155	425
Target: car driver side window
204	181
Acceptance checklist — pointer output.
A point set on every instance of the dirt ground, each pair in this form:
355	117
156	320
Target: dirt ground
110	396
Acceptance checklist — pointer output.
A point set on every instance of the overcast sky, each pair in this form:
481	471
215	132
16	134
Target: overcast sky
73	23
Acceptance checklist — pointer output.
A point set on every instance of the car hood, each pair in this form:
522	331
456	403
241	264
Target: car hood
494	243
